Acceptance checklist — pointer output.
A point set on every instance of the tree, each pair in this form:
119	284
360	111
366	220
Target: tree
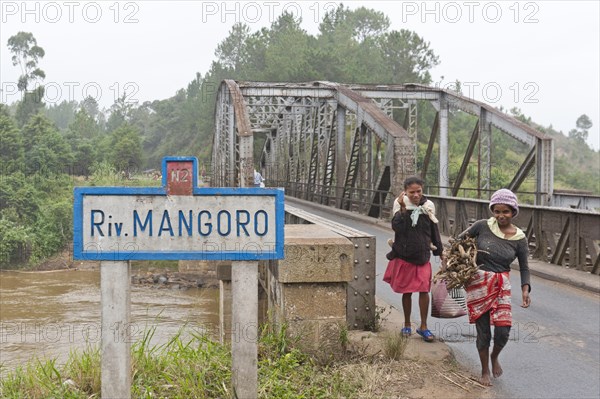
55	220
126	147
288	53
84	155
11	146
83	132
90	106
30	105
368	23
583	123
63	114
120	113
356	46
26	54
47	151
517	113
19	199
281	53
83	126
14	240
232	52
336	53
407	57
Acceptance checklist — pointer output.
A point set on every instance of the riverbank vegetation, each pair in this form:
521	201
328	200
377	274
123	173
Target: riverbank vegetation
47	149
190	365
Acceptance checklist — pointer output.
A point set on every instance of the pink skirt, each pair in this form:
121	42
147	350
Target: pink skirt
405	277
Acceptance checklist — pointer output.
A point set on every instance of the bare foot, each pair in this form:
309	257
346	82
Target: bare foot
485	380
496	368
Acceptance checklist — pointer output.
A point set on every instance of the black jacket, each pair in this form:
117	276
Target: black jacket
412	244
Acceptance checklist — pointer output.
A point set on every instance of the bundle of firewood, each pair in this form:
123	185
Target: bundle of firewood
461	261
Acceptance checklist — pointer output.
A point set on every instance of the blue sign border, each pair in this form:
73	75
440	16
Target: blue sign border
80	192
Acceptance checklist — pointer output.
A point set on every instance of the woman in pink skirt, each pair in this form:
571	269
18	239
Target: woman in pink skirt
409	270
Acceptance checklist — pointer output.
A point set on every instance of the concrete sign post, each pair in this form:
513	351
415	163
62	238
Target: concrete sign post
176	221
115	301
244	329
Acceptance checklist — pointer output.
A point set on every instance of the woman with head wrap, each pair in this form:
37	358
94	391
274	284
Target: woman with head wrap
499	243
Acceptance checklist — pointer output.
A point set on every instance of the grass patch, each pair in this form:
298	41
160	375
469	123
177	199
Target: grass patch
193	366
395	345
78	378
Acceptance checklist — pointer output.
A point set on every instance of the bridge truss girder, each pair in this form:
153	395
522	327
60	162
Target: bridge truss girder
341	145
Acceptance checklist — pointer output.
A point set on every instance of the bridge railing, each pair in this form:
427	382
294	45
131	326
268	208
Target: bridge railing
359	200
562	236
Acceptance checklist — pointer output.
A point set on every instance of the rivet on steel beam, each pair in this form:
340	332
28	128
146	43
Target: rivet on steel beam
355	292
356	309
368	245
356	261
355	324
366	292
367	261
355	245
367	277
356	277
367	308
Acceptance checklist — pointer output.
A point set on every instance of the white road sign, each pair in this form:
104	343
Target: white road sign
119	223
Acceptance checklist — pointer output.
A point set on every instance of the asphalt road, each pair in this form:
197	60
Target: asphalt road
554	346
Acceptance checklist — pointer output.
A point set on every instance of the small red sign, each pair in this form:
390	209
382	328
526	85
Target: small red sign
180	178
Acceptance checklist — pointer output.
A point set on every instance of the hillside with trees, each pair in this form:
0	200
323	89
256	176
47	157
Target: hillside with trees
47	149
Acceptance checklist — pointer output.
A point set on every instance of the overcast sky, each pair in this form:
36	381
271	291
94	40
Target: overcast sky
540	56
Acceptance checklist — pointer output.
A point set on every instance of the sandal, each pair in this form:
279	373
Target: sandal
406	331
426	334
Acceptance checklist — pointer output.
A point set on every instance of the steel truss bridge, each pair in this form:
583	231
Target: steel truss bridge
352	146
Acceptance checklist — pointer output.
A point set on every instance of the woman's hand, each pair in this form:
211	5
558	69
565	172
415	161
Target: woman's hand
526	297
401	202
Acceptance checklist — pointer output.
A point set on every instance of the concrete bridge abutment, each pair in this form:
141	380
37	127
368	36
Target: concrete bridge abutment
306	291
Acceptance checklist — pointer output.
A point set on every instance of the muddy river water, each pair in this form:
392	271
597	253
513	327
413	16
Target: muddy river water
48	314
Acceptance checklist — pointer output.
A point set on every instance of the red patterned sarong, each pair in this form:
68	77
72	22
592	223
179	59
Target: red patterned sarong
490	291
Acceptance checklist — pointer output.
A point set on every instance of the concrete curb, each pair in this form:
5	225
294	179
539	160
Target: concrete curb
575	278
